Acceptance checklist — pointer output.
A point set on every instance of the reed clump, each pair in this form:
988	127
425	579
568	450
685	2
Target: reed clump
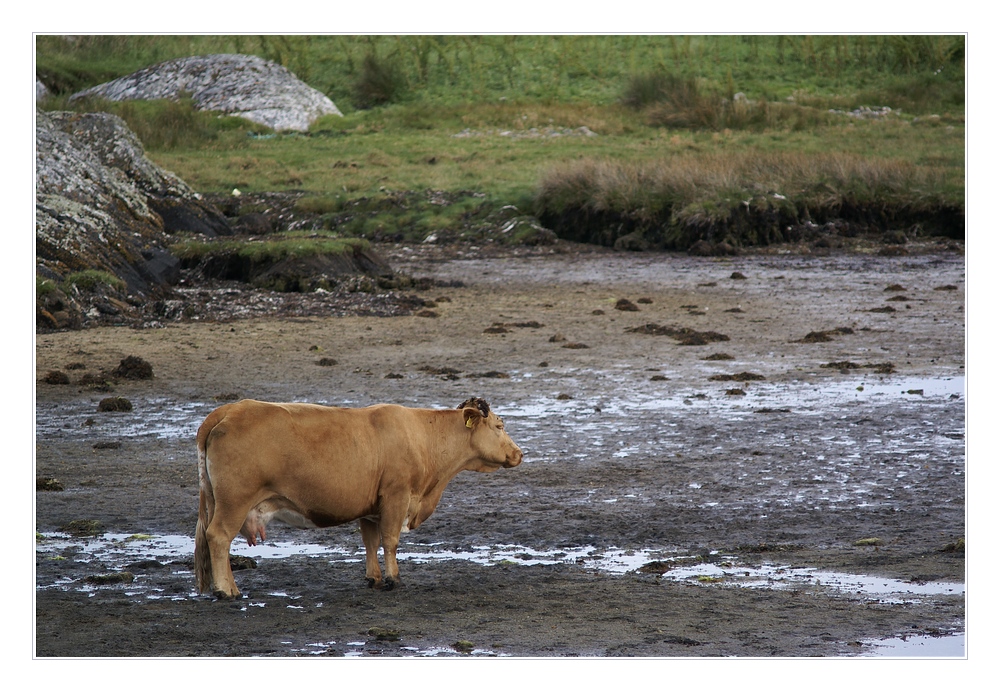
745	198
672	101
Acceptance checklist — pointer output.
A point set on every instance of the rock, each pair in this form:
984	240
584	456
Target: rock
738	377
633	242
253	224
107	444
55	377
102	205
47	484
108	137
303	274
384	634
241	85
703	248
114	403
160	266
110	578
240	562
80	202
133	368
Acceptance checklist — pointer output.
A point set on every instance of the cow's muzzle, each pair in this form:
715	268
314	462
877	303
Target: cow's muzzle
514	458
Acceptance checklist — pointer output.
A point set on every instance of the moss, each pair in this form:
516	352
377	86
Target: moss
287	245
44	287
874	542
110	578
84	527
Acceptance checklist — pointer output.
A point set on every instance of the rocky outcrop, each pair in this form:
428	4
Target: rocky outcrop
242	85
102	205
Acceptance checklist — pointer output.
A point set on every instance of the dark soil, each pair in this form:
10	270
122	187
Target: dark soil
629	446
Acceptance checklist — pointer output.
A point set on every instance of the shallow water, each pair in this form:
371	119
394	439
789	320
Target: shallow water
922	646
116	551
119	550
163	418
637	423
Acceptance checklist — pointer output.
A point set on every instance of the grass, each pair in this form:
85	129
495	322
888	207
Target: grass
269	251
87	280
497	116
462	69
745	198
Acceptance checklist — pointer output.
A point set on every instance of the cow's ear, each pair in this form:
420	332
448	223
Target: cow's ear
472	416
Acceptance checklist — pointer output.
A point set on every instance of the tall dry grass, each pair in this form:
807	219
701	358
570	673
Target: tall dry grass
672	200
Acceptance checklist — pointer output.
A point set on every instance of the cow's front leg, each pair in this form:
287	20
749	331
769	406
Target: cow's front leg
370	536
390	527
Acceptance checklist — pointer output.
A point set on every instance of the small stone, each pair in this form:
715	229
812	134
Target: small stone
133	368
114	403
55	377
46	484
110	578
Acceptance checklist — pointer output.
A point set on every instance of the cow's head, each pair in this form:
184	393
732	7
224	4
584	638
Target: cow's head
489	440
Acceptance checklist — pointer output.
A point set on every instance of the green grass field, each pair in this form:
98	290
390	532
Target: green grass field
501	115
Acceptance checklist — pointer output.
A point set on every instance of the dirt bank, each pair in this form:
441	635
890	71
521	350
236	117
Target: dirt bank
751	456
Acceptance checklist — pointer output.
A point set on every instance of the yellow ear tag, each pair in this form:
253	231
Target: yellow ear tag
468	423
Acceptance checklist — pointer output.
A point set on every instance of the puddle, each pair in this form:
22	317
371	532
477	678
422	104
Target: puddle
165	419
357	649
798	397
160	418
118	550
115	551
922	646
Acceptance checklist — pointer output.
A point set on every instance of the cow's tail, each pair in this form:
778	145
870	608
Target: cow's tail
206	506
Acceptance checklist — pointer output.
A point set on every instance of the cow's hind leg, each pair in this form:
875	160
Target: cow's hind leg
370	535
220	534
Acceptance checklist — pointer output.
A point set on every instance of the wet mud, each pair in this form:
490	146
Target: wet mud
819	513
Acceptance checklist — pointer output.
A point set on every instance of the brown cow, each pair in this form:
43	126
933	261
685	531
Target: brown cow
318	466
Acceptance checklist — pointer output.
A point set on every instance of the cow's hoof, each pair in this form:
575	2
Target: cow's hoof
389	584
226	595
373	583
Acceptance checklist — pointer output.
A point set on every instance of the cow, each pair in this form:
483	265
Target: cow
316	466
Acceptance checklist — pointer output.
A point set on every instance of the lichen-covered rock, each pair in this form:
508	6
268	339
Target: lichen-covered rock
88	215
117	148
102	205
242	85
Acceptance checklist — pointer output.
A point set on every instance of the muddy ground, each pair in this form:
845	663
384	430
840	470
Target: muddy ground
796	488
